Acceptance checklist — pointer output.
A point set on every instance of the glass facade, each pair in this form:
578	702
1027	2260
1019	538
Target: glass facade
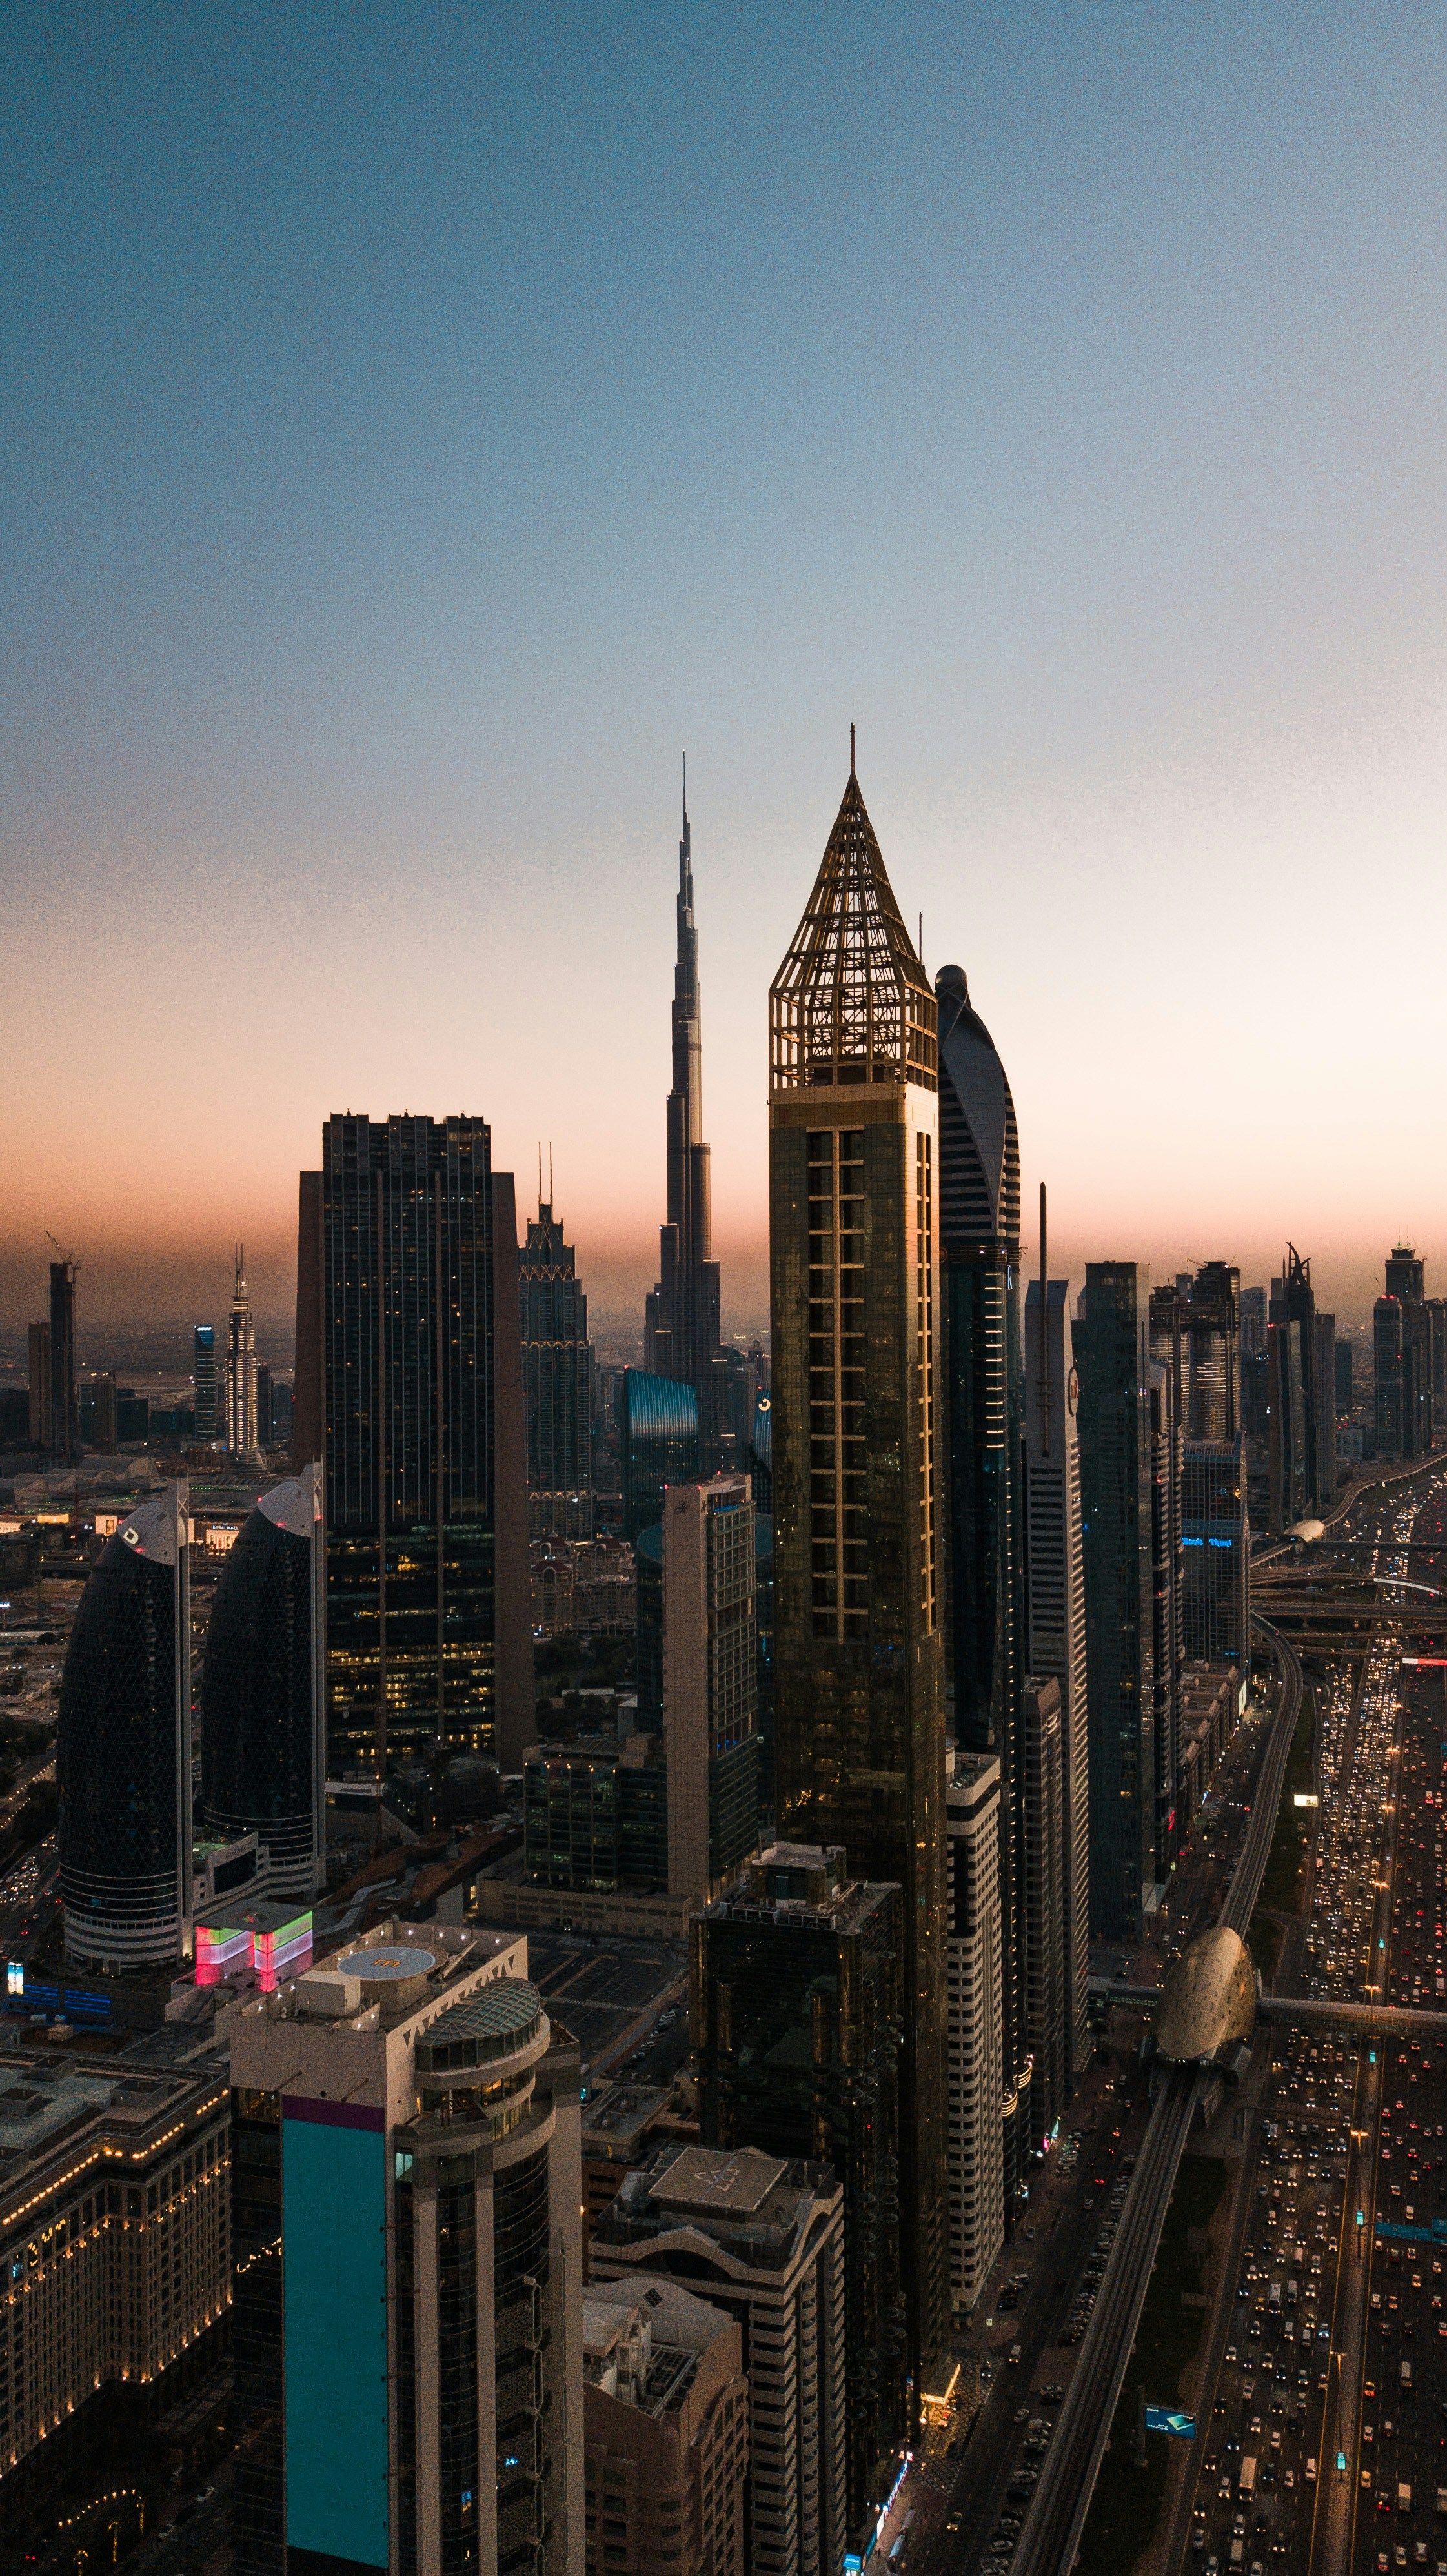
859	1716
123	1754
522	2291
557	1361
258	1722
408	1301
258	2513
1216	1543
658	1443
796	2010
1111	1357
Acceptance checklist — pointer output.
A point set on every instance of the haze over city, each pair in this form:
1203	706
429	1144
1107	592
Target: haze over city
422	428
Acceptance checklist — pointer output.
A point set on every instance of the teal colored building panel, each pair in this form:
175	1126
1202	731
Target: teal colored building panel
334	2206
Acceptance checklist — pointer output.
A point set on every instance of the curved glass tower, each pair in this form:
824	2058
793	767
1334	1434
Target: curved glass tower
261	1699
123	1751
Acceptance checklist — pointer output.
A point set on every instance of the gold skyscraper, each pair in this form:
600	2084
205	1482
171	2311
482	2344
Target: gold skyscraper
853	1165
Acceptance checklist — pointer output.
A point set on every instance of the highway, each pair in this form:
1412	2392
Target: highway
1061	2500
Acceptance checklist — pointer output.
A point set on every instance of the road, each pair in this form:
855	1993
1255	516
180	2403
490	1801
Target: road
1061	2499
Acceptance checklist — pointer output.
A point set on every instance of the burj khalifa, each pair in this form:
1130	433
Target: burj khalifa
682	1316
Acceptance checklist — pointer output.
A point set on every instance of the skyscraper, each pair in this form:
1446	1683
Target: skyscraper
658	1443
64	1382
1167	1585
40	1390
794	2014
557	1372
413	1308
1113	1365
1055	1592
241	1369
980	1411
1296	1354
123	1748
710	1683
681	1333
859	1717
408	2246
263	1744
1402	1346
203	1372
1044	1945
976	2166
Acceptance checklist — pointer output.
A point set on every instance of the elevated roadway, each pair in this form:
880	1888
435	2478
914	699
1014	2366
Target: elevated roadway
1061	2500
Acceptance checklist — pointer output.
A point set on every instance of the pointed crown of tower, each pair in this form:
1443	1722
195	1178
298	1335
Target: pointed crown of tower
851	1001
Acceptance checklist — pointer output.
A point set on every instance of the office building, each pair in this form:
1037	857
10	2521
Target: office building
658	1443
203	1376
64	1380
123	1748
976	2066
1167	1586
681	1325
1302	1399
99	1414
794	2011
241	1431
710	1683
1402	1350
1046	2033
263	1737
1055	1598
1110	1342
595	1816
1346	1392
40	1387
408	2248
762	2238
423	1439
859	1740
1196	1334
981	1424
265	1394
666	2433
115	2218
557	1372
1216	1545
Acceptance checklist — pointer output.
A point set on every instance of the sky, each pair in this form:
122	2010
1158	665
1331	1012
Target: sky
421	426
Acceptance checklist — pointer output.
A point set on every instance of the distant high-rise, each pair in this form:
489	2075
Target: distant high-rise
1346	1393
1216	1541
1299	1401
681	1332
203	1372
123	1749
557	1372
859	1715
980	1414
1402	1350
710	1684
263	1747
1113	1365
1167	1585
1044	1946
976	2166
241	1436
64	1381
40	1387
101	1392
794	2013
658	1443
410	1300
1055	1592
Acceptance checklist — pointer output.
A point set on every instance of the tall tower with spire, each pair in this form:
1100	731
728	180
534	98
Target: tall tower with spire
858	1646
681	1336
240	1366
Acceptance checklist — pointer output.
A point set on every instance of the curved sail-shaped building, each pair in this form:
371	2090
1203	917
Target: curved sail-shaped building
123	1750
261	1699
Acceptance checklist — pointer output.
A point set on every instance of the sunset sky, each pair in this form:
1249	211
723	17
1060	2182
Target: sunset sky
421	425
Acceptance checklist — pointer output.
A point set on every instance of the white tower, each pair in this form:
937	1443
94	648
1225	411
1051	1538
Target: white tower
240	1367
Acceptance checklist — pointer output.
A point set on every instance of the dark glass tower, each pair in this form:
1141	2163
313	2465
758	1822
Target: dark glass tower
795	2010
658	1444
859	1701
64	1382
557	1368
982	1387
123	1751
428	1615
1112	1358
682	1320
263	1751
